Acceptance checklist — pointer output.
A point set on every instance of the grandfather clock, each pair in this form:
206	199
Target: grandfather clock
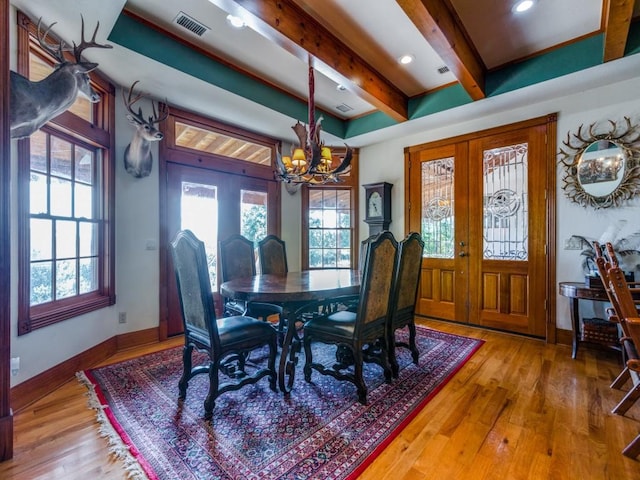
378	206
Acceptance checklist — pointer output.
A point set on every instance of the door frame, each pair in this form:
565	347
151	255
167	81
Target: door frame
550	121
170	153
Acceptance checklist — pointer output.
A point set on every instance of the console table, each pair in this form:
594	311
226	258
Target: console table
577	291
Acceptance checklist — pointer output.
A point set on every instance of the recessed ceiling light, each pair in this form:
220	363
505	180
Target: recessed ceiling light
523	6
236	22
405	59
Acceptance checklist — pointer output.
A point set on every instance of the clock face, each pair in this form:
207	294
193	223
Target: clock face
375	205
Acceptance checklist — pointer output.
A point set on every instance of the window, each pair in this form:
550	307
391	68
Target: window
66	206
330	228
329	223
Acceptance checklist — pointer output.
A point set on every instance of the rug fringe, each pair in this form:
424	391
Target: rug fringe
117	447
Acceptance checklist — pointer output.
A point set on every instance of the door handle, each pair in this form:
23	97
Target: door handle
462	254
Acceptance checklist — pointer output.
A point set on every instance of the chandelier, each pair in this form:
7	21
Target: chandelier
310	162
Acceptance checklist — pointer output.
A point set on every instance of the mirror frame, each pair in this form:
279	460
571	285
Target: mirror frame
626	138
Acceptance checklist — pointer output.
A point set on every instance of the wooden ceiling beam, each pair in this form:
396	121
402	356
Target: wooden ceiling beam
616	16
442	30
288	25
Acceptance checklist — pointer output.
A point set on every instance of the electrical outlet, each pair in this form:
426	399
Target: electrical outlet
15	365
122	317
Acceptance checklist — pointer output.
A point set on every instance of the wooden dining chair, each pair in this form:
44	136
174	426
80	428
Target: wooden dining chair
273	256
237	260
630	322
404	295
227	341
614	314
364	332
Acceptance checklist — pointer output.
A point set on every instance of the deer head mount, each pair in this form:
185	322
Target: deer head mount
137	156
32	104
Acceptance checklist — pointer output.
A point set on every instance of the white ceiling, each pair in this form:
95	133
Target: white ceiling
379	32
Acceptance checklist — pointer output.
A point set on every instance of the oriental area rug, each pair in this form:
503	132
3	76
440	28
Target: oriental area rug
319	431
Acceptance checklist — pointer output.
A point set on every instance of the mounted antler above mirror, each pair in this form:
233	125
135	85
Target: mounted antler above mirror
601	169
137	156
32	104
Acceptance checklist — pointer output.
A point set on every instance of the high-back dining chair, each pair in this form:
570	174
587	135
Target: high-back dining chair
614	314
365	327
237	259
227	341
273	256
630	321
407	278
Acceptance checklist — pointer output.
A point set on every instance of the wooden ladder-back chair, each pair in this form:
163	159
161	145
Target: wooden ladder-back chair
227	341
614	314
364	332
407	279
630	322
237	259
273	256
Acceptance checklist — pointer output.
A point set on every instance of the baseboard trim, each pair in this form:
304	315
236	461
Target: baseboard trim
564	337
27	392
135	339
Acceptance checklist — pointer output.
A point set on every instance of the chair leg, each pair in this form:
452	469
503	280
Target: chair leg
384	359
415	354
308	358
186	371
629	399
273	350
210	401
393	361
621	379
633	449
358	377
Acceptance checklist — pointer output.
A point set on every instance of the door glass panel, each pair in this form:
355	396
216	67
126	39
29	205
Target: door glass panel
253	215
199	213
438	208
506	218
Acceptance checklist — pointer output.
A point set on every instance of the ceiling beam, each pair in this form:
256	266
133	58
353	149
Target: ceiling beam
616	15
288	25
442	30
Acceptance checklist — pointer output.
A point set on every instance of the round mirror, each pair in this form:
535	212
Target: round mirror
601	168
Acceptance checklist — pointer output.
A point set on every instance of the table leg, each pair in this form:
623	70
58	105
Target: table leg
289	354
575	324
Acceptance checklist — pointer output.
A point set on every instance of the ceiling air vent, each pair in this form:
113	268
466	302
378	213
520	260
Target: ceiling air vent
190	24
344	108
443	69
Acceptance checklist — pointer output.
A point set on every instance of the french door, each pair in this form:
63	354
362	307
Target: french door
214	205
480	204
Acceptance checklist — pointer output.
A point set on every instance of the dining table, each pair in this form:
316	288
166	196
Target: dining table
292	291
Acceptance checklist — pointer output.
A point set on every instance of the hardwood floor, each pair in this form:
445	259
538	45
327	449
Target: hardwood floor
517	409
